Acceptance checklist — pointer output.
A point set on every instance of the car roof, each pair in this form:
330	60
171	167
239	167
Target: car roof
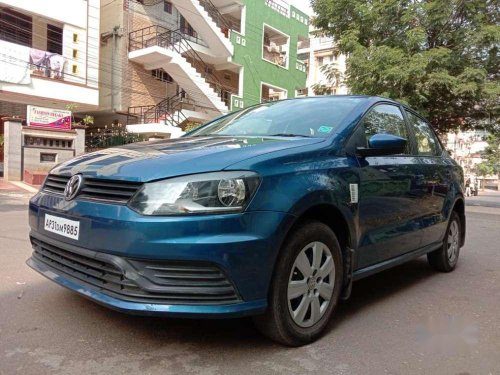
371	98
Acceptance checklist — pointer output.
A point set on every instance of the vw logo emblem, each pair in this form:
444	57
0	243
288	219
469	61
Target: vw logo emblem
73	187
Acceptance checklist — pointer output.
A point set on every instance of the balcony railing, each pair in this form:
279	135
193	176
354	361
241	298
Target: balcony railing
279	6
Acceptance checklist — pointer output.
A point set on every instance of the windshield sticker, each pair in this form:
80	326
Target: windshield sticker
325	129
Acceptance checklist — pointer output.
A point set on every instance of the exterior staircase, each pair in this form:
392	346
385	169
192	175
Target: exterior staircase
156	47
206	19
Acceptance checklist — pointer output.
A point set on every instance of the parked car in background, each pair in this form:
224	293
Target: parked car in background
272	211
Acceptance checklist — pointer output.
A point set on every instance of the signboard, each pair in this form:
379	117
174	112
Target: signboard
40	117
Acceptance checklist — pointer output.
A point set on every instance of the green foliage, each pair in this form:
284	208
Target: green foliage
491	156
334	76
441	57
190	126
72	107
88	120
1	140
483	170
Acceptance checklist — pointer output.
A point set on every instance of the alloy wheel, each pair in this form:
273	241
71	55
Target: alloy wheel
311	284
453	242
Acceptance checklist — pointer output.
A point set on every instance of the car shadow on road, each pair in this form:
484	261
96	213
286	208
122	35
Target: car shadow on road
157	332
379	287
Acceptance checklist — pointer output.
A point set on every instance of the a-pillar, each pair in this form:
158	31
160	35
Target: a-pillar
12	165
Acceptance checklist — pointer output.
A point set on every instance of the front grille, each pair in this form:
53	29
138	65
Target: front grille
169	282
95	188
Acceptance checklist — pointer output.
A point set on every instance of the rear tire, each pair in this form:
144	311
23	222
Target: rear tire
305	288
445	258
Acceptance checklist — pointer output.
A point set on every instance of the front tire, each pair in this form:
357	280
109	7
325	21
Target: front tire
445	259
305	288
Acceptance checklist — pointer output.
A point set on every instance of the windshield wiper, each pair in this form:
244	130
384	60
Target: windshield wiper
289	135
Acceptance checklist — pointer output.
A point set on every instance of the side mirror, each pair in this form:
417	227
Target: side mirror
383	144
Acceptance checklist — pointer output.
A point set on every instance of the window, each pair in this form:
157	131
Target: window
54	39
167	7
47	158
15	27
426	141
75	38
385	119
186	28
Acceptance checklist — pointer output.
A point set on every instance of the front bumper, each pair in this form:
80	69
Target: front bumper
243	247
149	309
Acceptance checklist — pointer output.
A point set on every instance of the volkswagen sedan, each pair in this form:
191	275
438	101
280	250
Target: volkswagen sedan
271	212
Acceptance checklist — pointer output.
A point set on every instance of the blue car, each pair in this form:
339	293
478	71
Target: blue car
271	212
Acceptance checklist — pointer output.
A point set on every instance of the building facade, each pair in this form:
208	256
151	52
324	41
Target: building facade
49	54
173	62
49	59
466	147
317	52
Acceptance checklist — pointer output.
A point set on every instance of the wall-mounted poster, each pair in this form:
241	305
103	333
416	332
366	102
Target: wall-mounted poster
40	117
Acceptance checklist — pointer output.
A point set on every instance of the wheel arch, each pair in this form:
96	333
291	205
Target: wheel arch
336	219
459	208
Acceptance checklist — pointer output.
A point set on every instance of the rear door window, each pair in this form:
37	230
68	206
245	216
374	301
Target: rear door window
425	139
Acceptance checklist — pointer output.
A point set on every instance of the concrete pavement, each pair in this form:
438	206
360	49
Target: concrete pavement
408	320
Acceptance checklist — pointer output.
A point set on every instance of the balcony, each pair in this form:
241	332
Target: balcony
275	47
38	57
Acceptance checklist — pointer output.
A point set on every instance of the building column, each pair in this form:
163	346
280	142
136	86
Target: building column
79	139
13	139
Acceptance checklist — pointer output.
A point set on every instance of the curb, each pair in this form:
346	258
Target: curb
24	186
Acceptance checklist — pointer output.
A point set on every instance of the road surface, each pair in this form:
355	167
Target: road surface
408	320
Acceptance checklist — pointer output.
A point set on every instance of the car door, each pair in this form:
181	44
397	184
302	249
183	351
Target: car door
388	203
435	174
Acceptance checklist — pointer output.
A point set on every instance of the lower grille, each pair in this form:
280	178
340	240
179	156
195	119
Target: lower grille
147	282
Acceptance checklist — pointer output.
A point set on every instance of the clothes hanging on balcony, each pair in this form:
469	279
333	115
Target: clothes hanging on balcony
47	64
14	63
57	66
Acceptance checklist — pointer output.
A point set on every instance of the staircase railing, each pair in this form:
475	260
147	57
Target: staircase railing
175	41
168	111
222	22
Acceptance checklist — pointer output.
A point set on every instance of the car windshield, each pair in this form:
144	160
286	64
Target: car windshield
314	117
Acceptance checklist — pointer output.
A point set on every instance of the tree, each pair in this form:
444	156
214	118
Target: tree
491	155
441	57
334	77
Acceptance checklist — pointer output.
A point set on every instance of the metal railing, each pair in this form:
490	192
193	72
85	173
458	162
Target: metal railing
279	6
168	111
175	41
222	22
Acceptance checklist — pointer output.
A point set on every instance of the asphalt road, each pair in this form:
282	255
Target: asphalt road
408	320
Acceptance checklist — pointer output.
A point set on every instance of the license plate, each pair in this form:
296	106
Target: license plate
63	227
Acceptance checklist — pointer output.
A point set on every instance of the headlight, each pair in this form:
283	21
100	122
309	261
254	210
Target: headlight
196	194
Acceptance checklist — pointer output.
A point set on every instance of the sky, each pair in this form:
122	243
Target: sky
303	5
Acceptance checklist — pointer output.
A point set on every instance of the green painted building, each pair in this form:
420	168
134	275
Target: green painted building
214	56
267	52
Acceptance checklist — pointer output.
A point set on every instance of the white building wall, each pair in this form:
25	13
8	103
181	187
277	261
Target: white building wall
322	51
81	70
71	12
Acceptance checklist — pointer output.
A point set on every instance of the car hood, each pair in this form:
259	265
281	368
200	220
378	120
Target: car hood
148	161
